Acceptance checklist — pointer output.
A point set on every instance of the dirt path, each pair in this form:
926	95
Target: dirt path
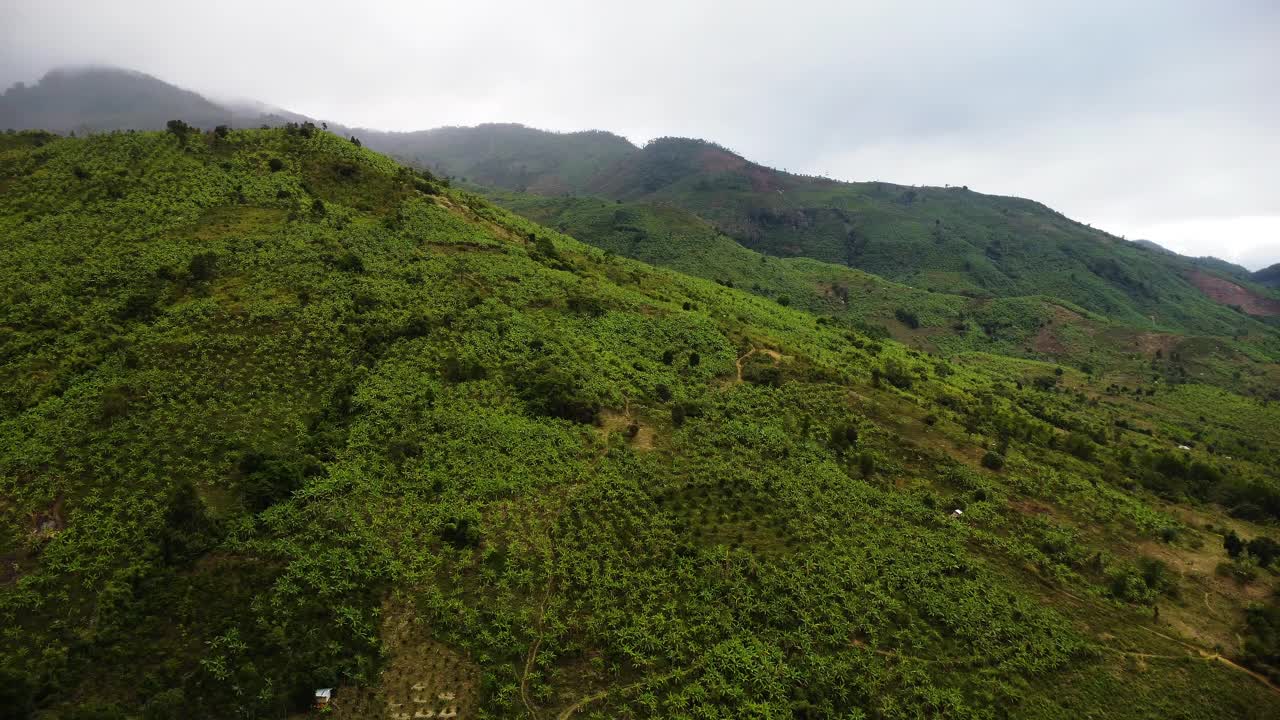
1208	656
569	711
743	359
533	651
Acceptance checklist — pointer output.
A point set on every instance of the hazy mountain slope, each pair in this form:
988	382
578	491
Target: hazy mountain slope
507	155
280	414
97	99
1268	276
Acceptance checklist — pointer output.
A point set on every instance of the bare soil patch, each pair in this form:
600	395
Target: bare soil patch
1226	292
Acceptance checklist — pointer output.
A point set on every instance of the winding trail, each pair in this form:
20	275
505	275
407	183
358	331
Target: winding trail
533	651
743	359
569	711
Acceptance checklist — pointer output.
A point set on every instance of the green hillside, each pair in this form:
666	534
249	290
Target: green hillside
280	414
947	239
1037	326
507	155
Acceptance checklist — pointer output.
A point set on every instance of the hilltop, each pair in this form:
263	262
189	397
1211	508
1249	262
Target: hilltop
279	413
949	240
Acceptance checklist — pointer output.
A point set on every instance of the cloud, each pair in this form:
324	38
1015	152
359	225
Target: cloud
1148	115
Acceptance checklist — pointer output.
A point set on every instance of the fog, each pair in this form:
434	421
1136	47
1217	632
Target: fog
1152	120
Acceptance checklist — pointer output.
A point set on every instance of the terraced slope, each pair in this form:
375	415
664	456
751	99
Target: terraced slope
277	414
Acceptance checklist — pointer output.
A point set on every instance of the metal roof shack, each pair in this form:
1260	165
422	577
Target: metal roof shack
323	696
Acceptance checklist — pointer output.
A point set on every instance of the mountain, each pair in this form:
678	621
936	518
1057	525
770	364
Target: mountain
508	155
1268	276
97	99
948	240
279	414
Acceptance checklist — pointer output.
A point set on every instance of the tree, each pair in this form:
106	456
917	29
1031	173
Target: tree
1264	549
906	317
221	131
993	460
178	129
1233	544
843	437
867	464
202	267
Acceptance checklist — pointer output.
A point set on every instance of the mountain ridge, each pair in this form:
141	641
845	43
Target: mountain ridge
251	113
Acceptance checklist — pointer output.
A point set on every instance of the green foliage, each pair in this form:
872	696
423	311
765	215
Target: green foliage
1232	543
906	317
1264	549
243	444
993	461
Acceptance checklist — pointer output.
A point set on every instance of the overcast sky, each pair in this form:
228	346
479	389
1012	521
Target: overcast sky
1156	119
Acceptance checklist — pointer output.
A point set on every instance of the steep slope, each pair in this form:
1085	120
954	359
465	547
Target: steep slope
1037	326
280	414
947	239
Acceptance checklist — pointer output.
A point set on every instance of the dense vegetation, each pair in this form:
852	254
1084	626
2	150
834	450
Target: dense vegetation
277	413
1037	326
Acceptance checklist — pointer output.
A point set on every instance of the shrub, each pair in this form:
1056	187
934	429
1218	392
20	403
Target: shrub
1080	446
763	374
1242	570
549	390
202	268
266	480
463	369
867	464
1262	640
843	436
460	533
349	262
585	303
1264	549
897	374
1232	543
221	132
681	411
993	460
908	318
1045	383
